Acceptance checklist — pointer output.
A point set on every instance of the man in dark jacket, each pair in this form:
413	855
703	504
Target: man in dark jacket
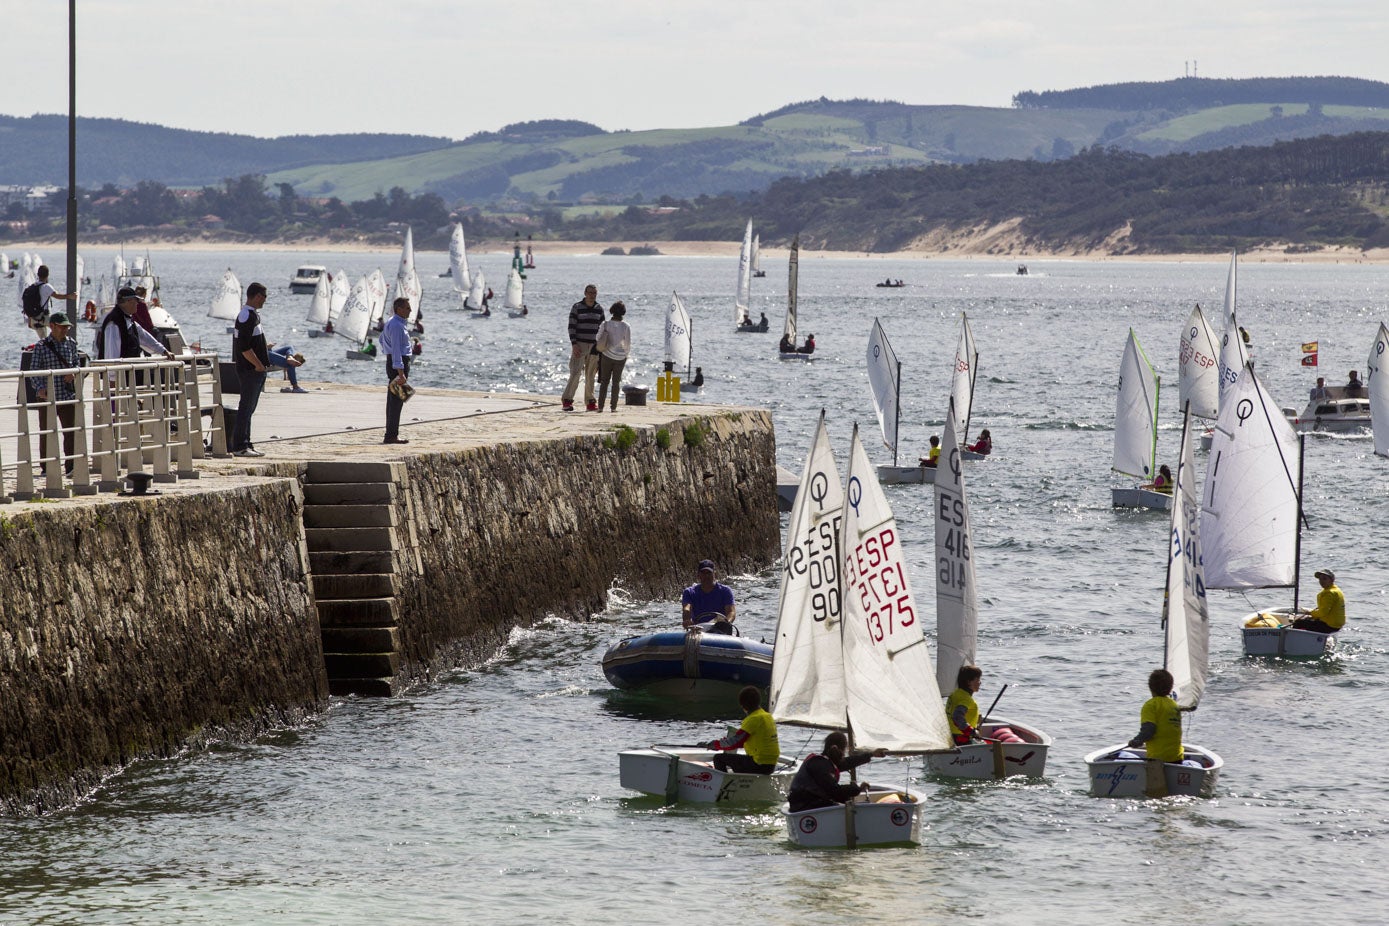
817	782
584	319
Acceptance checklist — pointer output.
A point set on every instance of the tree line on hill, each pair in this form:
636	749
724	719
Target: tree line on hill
1191	93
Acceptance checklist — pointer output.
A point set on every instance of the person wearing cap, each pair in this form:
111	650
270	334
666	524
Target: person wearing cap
706	600
56	352
1329	615
122	336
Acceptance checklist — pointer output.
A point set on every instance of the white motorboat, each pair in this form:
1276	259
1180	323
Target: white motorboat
687	773
1122	771
1135	430
957	631
305	279
1377	382
1252	512
838	664
1334	413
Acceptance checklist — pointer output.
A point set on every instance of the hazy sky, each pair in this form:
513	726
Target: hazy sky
454	67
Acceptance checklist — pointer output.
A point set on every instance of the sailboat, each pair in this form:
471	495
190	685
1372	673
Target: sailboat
957	629
1252	515
1377	382
788	336
757	270
1198	376
965	372
679	341
476	292
1135	430
320	306
407	281
855	658
1118	771
885	381
338	290
458	262
515	300
226	302
355	322
742	314
1234	353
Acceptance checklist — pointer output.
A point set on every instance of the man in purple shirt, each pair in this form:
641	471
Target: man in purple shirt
706	599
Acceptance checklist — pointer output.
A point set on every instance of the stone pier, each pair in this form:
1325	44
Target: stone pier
134	627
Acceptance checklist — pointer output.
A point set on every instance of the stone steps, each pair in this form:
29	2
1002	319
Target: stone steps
350	526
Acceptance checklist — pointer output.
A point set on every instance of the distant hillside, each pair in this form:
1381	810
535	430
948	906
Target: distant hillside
34	150
1192	93
1324	191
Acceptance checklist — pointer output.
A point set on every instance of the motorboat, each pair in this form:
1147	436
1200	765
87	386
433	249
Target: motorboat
305	279
1335	413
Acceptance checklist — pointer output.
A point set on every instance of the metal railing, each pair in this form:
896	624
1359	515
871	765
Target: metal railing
132	420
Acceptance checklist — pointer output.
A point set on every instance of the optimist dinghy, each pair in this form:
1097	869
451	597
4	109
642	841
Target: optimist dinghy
1135	430
687	773
1121	771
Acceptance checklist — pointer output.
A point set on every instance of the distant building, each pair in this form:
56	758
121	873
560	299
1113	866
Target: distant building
872	151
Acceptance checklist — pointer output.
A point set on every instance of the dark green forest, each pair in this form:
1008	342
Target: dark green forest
1192	93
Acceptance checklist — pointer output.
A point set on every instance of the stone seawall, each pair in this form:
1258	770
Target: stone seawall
507	534
134	628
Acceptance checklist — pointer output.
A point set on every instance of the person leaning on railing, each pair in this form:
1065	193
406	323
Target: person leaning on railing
56	352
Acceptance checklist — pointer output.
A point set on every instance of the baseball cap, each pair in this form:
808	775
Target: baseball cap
125	293
1319	573
58	318
706	564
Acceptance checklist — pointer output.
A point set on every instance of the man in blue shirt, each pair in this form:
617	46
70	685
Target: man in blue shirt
395	344
706	599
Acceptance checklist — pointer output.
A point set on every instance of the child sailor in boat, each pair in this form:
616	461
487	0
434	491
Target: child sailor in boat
756	736
1160	730
1163	481
963	713
984	445
933	455
817	782
1329	616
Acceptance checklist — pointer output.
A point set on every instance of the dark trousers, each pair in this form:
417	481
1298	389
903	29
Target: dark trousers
609	372
737	761
66	416
1314	625
393	405
251	385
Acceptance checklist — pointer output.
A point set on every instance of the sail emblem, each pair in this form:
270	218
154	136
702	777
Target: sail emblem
1244	410
819	488
855	493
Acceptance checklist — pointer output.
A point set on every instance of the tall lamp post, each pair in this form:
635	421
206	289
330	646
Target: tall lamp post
73	283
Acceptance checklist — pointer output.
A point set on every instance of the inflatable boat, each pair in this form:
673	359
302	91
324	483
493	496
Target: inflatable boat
692	663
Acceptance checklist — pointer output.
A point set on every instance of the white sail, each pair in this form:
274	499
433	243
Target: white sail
743	296
476	292
1135	413
226	302
792	285
407	281
337	298
117	269
76	287
962	378
884	378
1188	625
679	346
458	261
376	292
957	603
1250	507
322	302
756	253
1377	380
808	660
515	294
1198	375
355	319
1233	354
891	687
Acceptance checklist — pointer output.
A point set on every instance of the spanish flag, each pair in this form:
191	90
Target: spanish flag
1309	360
1310	348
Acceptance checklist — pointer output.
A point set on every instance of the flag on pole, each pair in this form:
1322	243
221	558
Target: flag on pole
1309	360
1310	347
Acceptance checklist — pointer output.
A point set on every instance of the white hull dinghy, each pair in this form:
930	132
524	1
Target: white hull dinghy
1119	771
838	666
957	633
687	773
1270	633
879	817
994	759
1124	771
1135	430
906	475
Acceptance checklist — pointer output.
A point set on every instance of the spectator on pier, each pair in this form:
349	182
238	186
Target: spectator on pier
614	344
56	352
707	600
584	318
756	736
817	782
252	361
395	344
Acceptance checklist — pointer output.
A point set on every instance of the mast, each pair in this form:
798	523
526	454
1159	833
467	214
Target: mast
1167	575
1297	545
896	411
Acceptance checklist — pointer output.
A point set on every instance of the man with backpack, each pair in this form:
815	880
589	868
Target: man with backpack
35	300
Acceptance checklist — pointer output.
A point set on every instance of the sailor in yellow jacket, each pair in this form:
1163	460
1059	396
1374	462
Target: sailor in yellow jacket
1160	721
756	736
1329	615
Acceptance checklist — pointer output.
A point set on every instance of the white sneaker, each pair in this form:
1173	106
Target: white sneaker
248	452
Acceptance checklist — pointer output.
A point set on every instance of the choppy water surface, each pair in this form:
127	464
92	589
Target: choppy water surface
492	795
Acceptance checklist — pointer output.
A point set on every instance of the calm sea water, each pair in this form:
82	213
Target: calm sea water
492	795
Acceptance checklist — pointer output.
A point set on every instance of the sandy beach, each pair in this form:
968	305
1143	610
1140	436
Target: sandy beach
984	246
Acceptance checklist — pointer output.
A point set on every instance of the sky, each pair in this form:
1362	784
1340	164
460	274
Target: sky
454	67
